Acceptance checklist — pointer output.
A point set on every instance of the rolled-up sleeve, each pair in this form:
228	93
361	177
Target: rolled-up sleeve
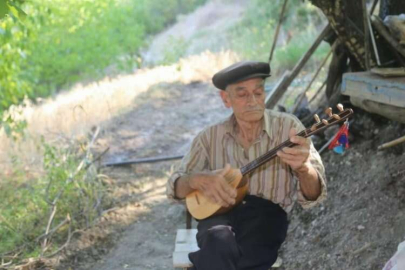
316	162
195	160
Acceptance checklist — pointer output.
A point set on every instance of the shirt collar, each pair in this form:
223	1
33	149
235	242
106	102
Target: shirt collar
266	126
230	126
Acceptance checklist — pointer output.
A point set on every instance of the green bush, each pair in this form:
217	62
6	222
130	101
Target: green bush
59	42
27	202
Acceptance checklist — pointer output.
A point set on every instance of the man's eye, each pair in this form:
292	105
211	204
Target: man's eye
258	94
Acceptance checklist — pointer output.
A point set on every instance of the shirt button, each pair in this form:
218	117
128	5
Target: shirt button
243	202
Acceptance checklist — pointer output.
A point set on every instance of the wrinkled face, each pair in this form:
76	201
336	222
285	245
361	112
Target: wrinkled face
246	98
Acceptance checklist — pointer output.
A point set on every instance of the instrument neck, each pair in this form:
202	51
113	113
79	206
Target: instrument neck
248	168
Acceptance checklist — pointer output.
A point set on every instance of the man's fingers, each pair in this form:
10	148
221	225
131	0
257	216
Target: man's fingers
295	150
223	192
214	197
297	139
228	188
291	151
227	193
288	158
283	154
292	133
226	199
218	195
220	198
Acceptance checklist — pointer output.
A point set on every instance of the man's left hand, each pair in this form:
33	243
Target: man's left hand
297	156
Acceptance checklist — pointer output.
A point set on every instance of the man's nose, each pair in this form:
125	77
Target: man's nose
251	99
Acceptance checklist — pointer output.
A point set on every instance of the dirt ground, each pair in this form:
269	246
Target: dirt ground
358	227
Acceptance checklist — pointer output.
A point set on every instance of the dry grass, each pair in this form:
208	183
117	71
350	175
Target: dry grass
74	112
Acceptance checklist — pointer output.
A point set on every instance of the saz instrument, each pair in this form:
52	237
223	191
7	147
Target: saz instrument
201	207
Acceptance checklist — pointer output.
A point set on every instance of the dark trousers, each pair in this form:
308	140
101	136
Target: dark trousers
248	237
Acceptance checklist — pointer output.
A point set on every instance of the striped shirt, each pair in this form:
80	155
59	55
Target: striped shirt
217	145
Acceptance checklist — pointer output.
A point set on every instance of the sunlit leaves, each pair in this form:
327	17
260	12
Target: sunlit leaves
8	7
59	42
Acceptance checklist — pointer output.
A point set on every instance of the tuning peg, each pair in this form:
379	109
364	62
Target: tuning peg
337	117
328	111
325	121
340	107
317	118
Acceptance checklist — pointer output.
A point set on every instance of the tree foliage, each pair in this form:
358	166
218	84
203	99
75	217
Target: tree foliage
46	45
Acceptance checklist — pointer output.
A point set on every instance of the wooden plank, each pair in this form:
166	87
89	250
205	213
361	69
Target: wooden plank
368	86
186	236
180	260
186	242
389	111
186	247
389	72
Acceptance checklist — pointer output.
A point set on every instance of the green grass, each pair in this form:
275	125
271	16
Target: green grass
26	203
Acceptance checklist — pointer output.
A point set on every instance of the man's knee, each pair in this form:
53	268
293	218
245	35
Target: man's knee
222	239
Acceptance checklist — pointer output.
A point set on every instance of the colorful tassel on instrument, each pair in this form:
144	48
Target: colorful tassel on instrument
341	141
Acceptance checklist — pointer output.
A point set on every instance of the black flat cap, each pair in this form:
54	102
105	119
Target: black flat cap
239	72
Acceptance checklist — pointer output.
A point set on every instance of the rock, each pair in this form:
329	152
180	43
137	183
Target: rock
360	227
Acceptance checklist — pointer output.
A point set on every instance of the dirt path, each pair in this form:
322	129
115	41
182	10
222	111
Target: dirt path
197	32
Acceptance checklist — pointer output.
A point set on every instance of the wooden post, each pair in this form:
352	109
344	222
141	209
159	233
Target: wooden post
377	57
277	30
366	35
188	219
310	83
278	92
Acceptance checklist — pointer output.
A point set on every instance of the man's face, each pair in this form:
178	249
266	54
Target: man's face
246	98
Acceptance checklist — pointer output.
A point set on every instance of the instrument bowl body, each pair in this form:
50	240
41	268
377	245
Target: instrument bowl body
201	207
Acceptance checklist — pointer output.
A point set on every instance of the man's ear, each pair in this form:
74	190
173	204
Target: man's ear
225	98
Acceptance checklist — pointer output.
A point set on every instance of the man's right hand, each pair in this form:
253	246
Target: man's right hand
214	186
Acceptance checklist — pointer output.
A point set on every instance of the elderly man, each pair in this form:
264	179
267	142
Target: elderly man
248	236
